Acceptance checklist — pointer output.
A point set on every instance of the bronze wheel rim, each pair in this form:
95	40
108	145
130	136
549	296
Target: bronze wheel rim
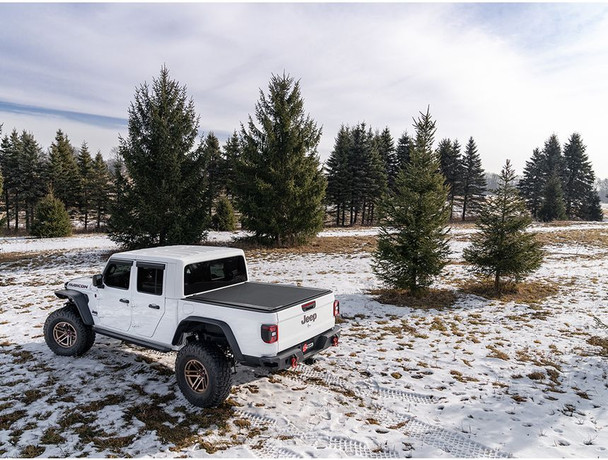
196	376
65	334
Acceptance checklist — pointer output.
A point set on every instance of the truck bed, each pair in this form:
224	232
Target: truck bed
265	297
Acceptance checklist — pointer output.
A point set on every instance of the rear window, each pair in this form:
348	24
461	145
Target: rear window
204	276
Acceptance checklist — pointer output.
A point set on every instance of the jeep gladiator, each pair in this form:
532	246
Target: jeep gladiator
199	302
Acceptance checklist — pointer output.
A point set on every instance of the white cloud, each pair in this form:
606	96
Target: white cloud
508	75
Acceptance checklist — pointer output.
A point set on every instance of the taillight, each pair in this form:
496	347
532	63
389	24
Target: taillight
270	333
336	308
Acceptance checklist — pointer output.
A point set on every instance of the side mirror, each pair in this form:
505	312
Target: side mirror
98	281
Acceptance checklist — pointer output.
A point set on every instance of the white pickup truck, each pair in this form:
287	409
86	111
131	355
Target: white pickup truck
198	301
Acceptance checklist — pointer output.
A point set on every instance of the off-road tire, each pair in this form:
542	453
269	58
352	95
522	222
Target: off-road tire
203	374
66	334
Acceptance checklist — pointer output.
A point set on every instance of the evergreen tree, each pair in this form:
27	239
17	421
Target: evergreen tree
51	220
84	162
339	175
413	242
64	175
473	180
552	158
367	175
503	248
11	148
386	148
100	189
231	154
32	175
592	210
163	201
224	219
404	146
531	185
451	167
280	187
215	180
552	207
579	179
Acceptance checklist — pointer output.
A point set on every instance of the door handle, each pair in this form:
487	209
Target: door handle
124	300
152	305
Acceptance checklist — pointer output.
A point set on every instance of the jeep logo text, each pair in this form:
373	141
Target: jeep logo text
309	318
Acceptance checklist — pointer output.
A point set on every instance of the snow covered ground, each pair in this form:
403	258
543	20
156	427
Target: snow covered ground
483	378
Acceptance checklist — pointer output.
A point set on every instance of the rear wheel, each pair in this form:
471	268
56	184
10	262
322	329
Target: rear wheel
203	374
66	334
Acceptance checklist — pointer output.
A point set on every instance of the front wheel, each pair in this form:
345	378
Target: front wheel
203	374
66	334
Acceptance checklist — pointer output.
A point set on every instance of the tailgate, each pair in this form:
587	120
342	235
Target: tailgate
304	321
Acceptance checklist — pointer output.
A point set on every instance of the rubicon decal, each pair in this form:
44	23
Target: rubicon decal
309	318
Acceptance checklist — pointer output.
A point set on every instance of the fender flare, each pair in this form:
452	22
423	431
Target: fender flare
81	301
190	320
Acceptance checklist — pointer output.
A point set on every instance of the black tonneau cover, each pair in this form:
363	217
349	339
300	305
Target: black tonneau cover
264	297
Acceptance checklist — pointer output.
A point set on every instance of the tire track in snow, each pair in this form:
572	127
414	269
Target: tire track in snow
446	440
388	393
271	448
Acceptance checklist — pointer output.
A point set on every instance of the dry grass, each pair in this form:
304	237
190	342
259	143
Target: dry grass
431	299
319	245
600	342
585	237
530	292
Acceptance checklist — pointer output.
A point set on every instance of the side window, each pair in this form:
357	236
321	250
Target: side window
203	276
150	278
117	274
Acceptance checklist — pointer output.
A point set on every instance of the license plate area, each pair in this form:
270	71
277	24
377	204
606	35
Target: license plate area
308	346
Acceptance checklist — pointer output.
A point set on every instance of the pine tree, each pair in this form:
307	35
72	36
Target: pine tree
84	162
367	175
451	167
280	187
230	154
215	181
11	151
593	207
163	201
532	183
386	148
552	207
32	175
503	248
579	179
339	175
64	175
51	220
224	219
552	158
100	189
413	242
404	147
473	180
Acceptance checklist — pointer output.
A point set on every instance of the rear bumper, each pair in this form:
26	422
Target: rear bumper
284	359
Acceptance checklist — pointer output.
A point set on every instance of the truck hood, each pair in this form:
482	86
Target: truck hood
85	282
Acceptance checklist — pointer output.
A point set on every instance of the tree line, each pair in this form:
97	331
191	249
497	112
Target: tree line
559	183
169	184
79	180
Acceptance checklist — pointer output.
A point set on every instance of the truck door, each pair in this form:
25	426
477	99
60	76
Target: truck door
148	300
114	300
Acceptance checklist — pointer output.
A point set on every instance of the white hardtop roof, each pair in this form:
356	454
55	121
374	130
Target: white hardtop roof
184	254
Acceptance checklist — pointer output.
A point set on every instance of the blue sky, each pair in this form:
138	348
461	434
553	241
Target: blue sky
509	75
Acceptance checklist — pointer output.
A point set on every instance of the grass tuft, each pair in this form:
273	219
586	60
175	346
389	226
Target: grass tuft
438	299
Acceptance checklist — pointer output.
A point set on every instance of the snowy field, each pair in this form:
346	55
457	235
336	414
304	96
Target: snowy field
481	378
